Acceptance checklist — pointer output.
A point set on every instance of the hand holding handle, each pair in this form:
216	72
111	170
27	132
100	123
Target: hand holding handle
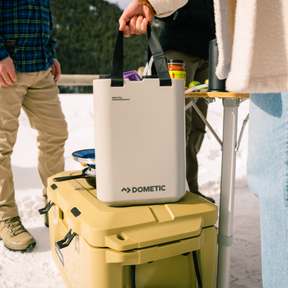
156	51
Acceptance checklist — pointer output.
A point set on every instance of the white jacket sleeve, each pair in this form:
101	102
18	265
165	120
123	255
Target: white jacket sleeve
252	40
225	22
164	8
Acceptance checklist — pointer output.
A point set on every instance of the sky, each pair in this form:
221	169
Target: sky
121	3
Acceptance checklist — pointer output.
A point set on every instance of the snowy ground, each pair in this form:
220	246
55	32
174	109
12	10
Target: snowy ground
37	269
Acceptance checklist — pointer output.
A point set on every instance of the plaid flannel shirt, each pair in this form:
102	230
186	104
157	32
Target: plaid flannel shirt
25	34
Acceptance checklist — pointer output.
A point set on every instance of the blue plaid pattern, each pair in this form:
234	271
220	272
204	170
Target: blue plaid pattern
25	34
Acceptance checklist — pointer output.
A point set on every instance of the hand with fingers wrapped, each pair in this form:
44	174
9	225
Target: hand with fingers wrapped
138	17
7	72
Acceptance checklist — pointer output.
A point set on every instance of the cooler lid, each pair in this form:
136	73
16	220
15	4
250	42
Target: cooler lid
133	227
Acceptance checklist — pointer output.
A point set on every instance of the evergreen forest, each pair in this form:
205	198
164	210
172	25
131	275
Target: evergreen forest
86	31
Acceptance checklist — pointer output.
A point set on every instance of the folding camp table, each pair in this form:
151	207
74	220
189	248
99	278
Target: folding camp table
229	145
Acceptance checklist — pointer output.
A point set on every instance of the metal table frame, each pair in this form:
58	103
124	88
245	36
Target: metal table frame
229	145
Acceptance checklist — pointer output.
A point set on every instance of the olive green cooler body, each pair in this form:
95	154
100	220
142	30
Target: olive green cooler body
148	246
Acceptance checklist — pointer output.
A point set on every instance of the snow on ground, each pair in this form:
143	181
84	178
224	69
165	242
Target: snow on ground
37	269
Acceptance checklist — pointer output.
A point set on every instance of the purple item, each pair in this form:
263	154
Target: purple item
132	76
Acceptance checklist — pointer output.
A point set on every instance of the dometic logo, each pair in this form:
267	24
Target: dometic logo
141	189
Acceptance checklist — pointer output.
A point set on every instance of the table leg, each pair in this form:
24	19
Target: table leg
227	189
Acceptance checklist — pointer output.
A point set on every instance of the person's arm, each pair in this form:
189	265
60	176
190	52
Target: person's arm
7	69
3	53
140	13
168	19
51	47
164	8
55	67
52	42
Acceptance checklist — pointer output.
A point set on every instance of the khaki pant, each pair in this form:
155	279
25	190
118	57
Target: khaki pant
196	69
37	94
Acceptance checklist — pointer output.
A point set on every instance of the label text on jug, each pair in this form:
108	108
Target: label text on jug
141	189
119	98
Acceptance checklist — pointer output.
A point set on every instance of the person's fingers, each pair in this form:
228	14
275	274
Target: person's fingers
53	69
134	8
7	79
57	74
7	72
2	82
144	25
138	30
56	70
123	20
12	74
126	32
122	24
132	24
56	77
147	14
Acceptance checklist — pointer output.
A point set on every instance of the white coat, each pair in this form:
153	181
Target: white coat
252	37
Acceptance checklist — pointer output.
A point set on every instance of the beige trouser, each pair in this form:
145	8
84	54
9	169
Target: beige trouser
37	94
196	69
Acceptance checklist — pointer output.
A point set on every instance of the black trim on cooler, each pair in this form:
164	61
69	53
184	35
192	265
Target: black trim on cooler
133	273
54	186
46	208
75	211
194	253
66	240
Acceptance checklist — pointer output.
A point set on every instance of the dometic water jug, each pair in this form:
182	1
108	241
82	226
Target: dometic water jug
139	134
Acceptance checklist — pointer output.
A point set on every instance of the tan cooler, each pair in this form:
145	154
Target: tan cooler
152	246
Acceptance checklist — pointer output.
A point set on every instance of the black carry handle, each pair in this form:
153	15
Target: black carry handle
64	178
71	177
156	51
153	69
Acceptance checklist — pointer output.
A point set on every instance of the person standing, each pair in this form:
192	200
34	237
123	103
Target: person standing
257	64
29	72
185	35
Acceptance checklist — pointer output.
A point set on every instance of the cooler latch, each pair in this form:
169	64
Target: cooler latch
66	240
46	208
